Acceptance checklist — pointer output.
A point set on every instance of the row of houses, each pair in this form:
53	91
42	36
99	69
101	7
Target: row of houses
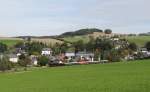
76	57
141	53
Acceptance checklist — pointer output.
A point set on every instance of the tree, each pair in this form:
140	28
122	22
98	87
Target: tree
63	47
19	45
3	48
43	60
56	48
35	47
79	46
5	64
81	32
24	60
114	56
90	45
104	46
133	46
22	57
108	31
147	45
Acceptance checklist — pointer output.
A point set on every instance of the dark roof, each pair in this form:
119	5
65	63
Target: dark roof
46	49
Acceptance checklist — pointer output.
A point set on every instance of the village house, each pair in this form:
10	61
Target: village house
85	56
46	52
34	60
145	52
19	51
13	58
70	55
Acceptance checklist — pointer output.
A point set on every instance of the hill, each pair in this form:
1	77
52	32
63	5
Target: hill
115	77
80	32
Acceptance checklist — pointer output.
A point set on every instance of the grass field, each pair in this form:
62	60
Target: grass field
10	41
116	77
139	40
47	41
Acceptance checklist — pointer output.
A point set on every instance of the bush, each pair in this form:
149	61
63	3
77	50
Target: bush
115	56
5	64
133	46
3	48
147	45
43	60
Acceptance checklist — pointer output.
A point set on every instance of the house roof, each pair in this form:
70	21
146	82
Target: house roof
46	49
13	56
84	54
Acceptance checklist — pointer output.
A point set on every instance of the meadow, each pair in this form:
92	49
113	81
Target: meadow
112	77
10	41
139	40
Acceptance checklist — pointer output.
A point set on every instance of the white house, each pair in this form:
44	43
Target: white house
70	54
34	60
13	58
88	56
46	51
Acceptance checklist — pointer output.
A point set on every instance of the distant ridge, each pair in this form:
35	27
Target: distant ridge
81	32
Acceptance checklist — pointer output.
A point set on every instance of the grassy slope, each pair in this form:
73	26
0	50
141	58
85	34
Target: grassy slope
10	41
77	38
116	77
47	41
139	40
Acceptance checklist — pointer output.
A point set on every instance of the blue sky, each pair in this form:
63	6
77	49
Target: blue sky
51	17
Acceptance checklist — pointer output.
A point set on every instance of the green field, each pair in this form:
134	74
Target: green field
139	40
115	77
10	41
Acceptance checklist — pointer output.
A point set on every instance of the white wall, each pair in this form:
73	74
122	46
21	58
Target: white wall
14	60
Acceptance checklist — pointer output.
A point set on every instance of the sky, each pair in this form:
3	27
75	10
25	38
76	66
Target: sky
53	17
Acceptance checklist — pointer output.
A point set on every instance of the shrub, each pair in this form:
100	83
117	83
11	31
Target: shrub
43	60
5	64
147	45
24	60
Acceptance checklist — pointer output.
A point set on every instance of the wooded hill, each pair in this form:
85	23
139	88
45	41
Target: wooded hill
81	32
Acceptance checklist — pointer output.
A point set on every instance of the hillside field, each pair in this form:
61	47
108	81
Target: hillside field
115	77
139	40
47	41
10	41
85	38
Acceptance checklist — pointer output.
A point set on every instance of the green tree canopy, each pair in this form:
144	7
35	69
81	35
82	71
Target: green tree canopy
3	48
108	31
